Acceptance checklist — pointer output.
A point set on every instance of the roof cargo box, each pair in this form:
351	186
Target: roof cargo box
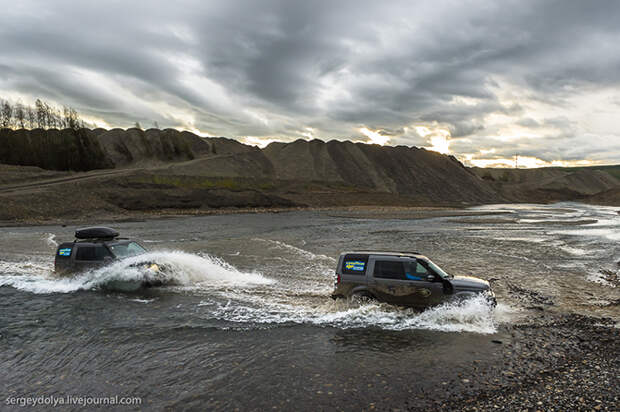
96	233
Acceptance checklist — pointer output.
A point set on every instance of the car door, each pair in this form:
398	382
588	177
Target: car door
89	256
403	281
386	279
425	286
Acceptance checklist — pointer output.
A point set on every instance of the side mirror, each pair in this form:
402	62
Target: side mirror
430	278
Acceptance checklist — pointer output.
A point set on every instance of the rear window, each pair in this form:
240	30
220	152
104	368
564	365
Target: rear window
91	253
389	269
354	264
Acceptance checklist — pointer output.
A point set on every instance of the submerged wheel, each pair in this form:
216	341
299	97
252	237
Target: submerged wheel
362	297
490	297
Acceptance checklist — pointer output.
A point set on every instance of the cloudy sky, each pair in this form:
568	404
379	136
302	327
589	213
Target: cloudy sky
483	80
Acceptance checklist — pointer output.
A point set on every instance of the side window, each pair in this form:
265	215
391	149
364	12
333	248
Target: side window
354	264
86	253
419	269
102	252
389	269
415	271
91	253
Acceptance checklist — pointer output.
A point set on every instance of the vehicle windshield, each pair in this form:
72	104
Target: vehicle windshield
438	270
123	250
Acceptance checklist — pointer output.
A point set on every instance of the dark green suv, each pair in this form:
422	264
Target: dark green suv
402	278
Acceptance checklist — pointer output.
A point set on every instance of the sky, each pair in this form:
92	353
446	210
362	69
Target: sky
484	81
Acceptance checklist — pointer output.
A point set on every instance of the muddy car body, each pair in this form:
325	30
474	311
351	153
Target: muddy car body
402	278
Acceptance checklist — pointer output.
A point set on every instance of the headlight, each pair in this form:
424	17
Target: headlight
490	295
152	267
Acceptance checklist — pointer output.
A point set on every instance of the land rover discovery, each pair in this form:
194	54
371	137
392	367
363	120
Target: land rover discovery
402	278
95	247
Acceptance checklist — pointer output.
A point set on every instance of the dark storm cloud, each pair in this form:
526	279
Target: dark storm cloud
277	68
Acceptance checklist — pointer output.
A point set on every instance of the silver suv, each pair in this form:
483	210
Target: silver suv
402	278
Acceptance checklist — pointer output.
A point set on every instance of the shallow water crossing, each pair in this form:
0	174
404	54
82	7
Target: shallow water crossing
246	298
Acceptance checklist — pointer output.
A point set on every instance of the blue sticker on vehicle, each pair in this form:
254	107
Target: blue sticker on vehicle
64	252
356	265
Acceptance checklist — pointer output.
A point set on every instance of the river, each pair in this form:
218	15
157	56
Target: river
246	320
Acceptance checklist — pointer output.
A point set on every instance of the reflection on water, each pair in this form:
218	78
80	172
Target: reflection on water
377	340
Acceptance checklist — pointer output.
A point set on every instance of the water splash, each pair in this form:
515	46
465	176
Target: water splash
177	268
472	315
50	240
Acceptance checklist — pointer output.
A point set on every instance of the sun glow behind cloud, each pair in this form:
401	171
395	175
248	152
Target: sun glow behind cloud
440	143
524	162
96	121
259	141
374	137
437	136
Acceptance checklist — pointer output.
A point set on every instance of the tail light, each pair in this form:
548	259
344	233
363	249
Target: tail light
337	278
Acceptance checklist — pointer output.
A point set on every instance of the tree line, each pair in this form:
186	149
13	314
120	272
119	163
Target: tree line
42	116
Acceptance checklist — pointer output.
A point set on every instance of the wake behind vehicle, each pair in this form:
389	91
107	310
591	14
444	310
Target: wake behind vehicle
95	247
402	278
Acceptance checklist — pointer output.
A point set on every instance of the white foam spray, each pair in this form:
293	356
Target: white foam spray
50	240
177	268
472	315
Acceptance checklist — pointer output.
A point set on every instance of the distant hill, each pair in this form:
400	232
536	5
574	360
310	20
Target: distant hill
609	197
416	173
340	173
85	149
613	170
139	147
73	173
550	184
53	149
424	176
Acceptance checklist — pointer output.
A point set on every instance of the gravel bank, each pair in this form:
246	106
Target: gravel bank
553	363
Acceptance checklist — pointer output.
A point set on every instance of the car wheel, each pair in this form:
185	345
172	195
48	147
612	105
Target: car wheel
362	297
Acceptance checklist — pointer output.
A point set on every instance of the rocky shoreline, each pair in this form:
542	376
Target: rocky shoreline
553	363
